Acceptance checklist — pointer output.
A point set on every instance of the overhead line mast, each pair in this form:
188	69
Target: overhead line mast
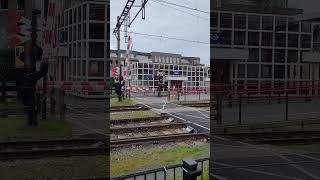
125	17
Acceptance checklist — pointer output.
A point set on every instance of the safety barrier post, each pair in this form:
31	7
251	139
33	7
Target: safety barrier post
199	94
270	97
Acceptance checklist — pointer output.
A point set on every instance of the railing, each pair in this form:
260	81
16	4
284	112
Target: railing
168	173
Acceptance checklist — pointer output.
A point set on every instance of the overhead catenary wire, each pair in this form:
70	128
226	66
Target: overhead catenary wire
182	6
167	37
161	3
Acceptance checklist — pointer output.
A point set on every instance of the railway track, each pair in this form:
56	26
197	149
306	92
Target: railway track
156	139
128	108
124	122
147	128
279	138
52	149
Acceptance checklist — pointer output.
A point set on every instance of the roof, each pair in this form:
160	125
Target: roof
309	17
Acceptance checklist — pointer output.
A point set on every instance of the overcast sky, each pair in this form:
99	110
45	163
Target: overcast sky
164	21
308	5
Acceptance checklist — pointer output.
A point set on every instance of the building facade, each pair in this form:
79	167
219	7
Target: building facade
179	71
264	44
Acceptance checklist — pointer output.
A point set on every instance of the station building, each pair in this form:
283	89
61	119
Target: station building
265	43
180	72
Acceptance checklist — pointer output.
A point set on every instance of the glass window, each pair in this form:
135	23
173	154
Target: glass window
227	37
241	71
253	71
306	41
279	71
293	25
280	40
253	55
213	19
266	55
281	24
84	12
266	71
293	40
97	12
96	31
96	68
96	49
267	23
306	27
267	39
239	38
279	55
305	71
240	21
3	4
225	20
253	39
254	22
293	56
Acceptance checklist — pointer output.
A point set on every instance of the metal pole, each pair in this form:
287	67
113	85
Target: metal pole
287	104
240	109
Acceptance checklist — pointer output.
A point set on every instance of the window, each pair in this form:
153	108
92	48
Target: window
253	55
213	19
280	40
96	68
253	71
254	22
96	31
293	26
97	12
279	55
227	37
267	23
84	12
281	24
305	71
279	71
239	38
292	56
226	20
292	72
306	27
240	21
96	49
306	41
253	39
3	4
293	40
267	39
266	55
241	71
266	71
21	4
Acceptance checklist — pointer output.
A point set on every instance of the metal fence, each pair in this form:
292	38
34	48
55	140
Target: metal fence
168	173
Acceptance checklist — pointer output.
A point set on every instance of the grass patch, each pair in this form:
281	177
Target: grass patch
14	128
133	114
125	102
60	168
125	162
303	147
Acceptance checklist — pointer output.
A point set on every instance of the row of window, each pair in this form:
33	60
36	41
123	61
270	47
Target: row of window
96	50
242	38
79	68
267	71
279	55
257	22
155	83
79	32
97	12
166	66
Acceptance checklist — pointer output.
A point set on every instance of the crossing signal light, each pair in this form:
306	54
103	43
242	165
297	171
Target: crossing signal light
161	79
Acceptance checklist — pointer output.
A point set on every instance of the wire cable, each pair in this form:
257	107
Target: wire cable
167	37
161	3
182	6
